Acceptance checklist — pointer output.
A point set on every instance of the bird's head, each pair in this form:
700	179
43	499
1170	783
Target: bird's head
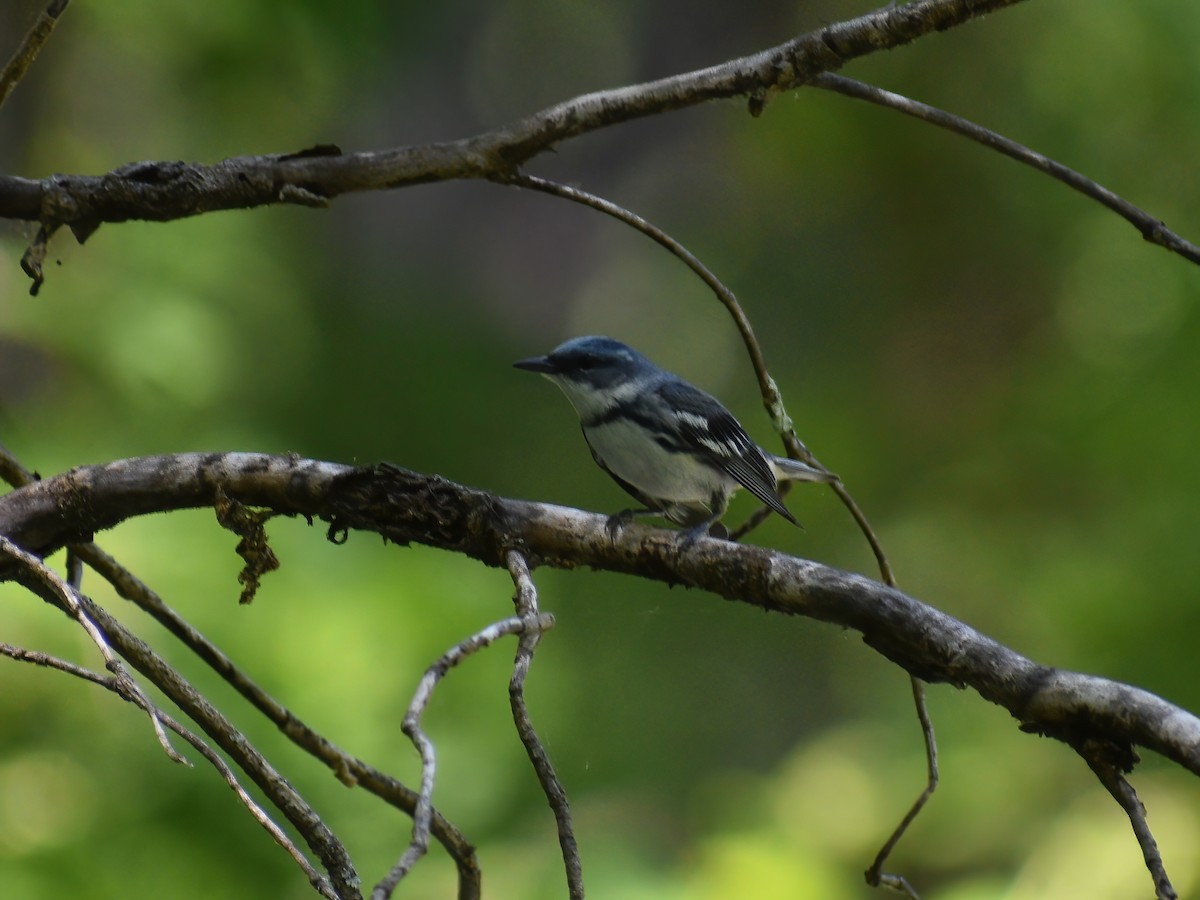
596	373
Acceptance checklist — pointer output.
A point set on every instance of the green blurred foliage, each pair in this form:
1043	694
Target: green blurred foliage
1003	373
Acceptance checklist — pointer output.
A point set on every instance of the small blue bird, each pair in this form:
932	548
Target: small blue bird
669	444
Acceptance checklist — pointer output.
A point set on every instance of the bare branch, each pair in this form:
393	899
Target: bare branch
1108	762
163	191
320	839
408	507
1152	229
411	726
129	587
23	57
875	876
526	602
38	658
349	769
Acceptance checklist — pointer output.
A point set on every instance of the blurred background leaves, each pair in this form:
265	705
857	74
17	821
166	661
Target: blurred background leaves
1004	374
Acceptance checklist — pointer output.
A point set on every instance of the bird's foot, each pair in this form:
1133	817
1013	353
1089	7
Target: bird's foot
618	523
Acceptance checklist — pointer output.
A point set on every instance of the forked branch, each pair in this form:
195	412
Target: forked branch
168	190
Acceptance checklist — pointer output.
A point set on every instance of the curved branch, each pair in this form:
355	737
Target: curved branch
526	601
407	507
411	726
1152	229
162	191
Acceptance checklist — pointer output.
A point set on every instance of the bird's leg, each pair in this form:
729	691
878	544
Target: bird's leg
711	525
708	528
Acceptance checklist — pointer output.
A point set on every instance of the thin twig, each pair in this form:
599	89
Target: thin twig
70	601
29	48
1108	762
315	878
74	569
526	601
38	658
756	518
689	259
110	683
1152	229
875	875
12	471
411	726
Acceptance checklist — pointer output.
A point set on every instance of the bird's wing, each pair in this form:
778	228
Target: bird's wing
713	432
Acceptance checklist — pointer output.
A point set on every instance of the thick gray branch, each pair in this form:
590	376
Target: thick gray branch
408	507
162	191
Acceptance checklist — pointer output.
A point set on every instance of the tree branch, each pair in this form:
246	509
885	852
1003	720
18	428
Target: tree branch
1108	763
407	507
526	601
23	57
411	726
163	191
1151	229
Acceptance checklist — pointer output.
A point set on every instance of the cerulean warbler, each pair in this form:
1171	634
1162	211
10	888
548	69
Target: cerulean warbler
671	445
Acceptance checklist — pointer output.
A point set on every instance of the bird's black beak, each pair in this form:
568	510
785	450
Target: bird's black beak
537	364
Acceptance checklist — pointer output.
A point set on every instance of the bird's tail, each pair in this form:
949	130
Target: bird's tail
794	470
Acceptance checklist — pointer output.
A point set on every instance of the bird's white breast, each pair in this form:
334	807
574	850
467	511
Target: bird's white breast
631	456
